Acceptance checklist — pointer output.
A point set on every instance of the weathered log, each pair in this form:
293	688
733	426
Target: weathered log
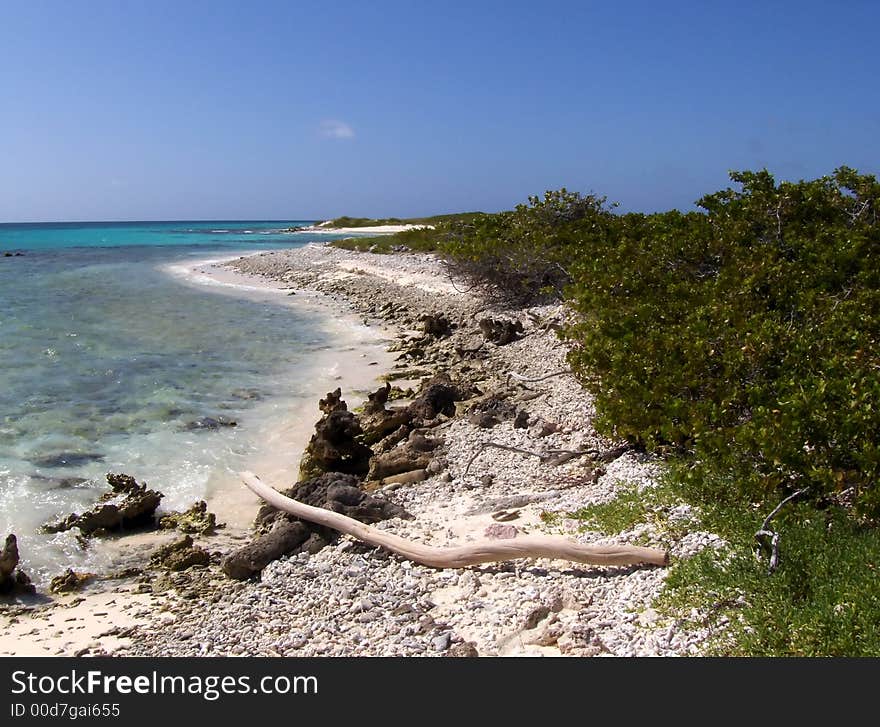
487	551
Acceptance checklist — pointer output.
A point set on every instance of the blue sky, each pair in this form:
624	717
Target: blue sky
286	110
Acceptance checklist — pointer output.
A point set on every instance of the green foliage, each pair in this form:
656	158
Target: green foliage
824	600
521	257
419	240
425	239
746	336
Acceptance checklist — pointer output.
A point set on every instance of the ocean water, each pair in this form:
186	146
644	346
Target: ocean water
107	358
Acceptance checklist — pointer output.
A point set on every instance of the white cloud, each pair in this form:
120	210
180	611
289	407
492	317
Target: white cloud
334	129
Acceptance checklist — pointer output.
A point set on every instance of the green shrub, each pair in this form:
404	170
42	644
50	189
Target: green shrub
522	257
746	336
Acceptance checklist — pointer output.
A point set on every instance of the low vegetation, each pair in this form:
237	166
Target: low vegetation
430	238
741	343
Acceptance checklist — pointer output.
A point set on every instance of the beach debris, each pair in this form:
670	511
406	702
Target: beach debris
69	581
501	331
128	506
335	446
196	520
282	534
13	580
487	551
180	554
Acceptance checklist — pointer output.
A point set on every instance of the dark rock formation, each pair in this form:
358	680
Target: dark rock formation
376	421
501	331
521	421
248	561
180	555
13	580
196	520
69	581
127	506
282	534
398	460
335	446
438	396
436	325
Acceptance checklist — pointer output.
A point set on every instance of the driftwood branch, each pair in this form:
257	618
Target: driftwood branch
552	457
485	551
527	380
769	539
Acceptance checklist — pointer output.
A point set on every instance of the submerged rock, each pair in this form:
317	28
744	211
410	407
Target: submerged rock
129	505
67	459
210	423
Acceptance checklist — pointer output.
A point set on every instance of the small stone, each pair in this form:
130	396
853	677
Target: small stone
442	642
463	649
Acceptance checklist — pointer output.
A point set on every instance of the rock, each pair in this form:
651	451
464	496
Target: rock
283	534
441	642
463	649
501	331
335	445
196	520
436	325
483	420
398	460
13	580
536	615
67	459
497	531
487	480
406	478
210	423
180	555
69	581
438	396
248	561
521	421
127	506
421	443
60	483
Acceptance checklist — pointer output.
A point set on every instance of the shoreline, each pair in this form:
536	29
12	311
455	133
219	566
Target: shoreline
119	603
347	599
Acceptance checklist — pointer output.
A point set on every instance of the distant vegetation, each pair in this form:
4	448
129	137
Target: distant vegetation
428	239
742	343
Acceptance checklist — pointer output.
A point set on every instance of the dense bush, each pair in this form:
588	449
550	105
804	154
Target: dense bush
522	256
746	336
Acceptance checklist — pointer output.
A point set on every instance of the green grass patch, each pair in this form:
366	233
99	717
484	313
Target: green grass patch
823	600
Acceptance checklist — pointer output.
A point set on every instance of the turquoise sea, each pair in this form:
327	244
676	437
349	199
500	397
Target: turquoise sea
108	361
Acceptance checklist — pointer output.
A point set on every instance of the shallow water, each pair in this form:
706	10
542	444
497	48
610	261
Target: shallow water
107	360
